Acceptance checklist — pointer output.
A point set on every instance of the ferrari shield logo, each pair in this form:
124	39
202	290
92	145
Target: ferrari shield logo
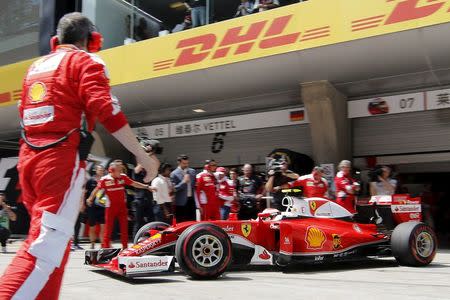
246	228
313	205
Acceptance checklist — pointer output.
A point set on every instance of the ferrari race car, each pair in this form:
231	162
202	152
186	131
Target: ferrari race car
311	230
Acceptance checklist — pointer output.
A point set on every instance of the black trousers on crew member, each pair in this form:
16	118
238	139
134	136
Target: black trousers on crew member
4	235
186	212
143	213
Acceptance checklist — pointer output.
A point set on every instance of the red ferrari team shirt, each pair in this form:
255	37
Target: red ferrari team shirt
205	187
115	187
311	187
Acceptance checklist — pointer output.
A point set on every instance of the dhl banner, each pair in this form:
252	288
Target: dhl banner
291	28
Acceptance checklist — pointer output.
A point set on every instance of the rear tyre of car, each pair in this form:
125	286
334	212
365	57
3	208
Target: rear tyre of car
203	251
144	232
413	244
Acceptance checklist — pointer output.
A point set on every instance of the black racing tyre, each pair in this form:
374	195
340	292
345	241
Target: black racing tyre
144	233
413	244
203	251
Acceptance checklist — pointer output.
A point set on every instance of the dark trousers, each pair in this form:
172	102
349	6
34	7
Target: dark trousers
186	212
77	229
4	235
143	213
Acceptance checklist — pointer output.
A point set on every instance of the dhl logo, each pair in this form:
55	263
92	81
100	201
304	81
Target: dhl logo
10	96
267	34
404	11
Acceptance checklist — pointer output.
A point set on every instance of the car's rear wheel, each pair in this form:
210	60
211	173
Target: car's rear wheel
414	244
203	251
144	232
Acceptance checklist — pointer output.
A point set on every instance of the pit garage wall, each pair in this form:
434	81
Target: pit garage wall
239	147
413	129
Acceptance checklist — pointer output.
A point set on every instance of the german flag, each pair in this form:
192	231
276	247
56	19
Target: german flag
297	115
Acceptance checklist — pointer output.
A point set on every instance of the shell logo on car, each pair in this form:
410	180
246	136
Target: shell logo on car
37	92
315	238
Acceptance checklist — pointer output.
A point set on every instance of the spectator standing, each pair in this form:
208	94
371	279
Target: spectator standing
95	212
279	175
6	215
206	192
312	185
245	8
142	202
234	181
263	5
250	190
183	180
383	184
114	185
346	187
163	193
198	12
226	192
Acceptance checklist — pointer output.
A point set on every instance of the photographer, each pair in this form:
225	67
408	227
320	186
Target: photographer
279	175
382	183
143	199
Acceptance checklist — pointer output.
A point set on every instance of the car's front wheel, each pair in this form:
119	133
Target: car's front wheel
203	251
413	244
144	232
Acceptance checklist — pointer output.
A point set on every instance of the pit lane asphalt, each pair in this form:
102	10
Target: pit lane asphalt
373	279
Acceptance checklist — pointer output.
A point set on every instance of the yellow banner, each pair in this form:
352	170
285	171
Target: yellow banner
292	28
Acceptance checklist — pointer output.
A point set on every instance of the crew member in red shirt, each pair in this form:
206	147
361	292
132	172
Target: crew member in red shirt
63	95
114	186
226	192
346	187
206	191
312	185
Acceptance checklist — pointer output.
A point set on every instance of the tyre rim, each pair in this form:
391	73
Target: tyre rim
424	244
207	251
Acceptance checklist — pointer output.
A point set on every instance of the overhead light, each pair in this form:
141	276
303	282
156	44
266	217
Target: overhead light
199	110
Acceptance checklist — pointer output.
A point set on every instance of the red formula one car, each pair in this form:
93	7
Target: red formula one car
311	230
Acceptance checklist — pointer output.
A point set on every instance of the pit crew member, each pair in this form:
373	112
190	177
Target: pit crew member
346	187
114	186
312	185
206	191
63	95
226	192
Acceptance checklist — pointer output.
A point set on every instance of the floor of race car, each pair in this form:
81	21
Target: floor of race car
373	279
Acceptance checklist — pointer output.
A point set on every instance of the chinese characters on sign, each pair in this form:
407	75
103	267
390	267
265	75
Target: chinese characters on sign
277	118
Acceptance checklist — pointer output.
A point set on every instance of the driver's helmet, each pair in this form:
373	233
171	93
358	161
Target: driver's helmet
272	211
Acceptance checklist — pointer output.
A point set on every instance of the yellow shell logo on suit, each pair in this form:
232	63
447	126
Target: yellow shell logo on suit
37	92
315	238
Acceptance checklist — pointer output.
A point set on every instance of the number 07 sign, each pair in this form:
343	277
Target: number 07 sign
386	105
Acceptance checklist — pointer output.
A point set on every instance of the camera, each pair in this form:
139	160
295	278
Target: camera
151	145
276	165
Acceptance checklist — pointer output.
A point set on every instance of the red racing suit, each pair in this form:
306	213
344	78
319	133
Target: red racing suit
206	192
58	90
115	190
344	191
311	187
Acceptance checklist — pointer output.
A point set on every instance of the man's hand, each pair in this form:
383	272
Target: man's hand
271	173
152	189
90	201
150	165
186	178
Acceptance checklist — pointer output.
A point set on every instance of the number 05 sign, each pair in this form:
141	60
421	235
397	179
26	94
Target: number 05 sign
386	105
